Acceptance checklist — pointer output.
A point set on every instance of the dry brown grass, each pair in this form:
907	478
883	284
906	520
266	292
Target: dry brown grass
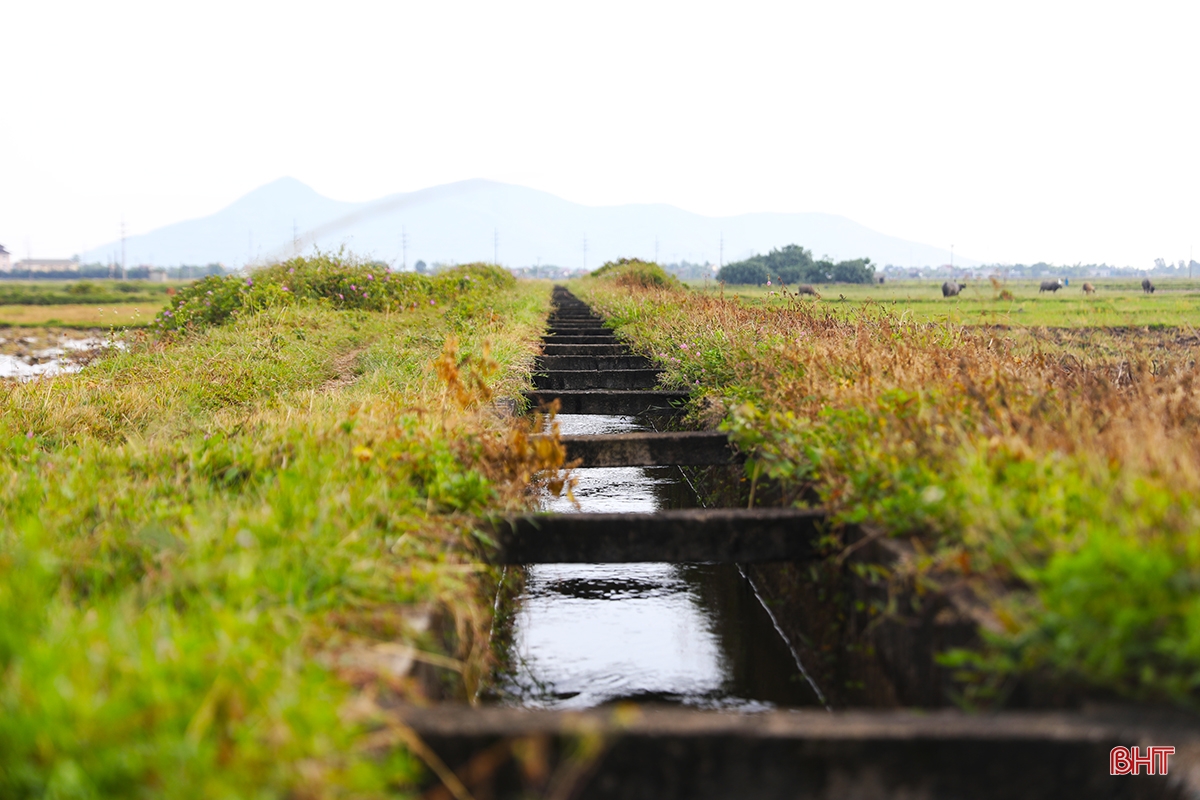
1063	468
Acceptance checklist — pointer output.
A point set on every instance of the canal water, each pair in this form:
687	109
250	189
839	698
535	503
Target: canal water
582	635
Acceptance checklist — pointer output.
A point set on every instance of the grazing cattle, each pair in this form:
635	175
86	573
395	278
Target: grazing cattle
1147	286
1051	286
804	288
951	288
1089	289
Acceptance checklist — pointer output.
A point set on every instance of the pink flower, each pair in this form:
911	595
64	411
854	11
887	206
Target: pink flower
768	281
683	346
285	288
432	303
370	277
364	294
340	296
355	288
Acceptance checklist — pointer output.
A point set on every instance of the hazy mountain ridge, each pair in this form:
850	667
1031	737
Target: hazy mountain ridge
461	222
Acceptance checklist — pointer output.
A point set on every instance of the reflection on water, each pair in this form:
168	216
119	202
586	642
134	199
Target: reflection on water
32	353
587	634
579	635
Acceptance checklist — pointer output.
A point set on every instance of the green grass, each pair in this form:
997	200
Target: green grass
1116	303
65	293
208	543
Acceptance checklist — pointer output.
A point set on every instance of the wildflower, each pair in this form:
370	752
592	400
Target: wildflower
292	271
769	283
432	302
353	287
209	292
364	294
249	282
28	434
340	296
370	277
683	346
285	288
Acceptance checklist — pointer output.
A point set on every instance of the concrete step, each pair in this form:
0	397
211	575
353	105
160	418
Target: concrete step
671	753
572	330
610	401
569	338
596	379
689	448
557	349
721	535
551	363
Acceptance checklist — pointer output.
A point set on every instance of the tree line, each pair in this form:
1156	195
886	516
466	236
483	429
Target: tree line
795	264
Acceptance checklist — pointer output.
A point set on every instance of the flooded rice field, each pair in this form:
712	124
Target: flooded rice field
27	353
575	636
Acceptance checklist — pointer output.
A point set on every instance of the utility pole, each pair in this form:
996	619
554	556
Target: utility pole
496	246
122	248
403	249
721	256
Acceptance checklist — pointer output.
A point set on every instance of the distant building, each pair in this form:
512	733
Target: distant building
41	266
5	260
158	275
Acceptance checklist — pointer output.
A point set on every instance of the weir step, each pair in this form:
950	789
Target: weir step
721	535
596	379
650	449
551	363
610	401
556	349
657	752
607	338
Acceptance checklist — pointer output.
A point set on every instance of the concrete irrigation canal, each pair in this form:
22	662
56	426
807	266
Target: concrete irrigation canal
661	640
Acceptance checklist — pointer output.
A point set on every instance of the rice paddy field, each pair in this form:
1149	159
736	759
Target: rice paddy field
1115	304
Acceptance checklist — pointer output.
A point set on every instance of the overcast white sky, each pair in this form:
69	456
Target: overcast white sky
1016	131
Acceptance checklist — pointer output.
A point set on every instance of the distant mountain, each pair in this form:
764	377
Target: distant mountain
472	220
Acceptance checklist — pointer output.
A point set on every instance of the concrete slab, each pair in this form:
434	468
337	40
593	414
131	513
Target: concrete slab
687	448
548	363
611	401
724	535
596	379
635	752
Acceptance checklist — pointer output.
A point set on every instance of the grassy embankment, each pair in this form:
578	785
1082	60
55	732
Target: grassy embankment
217	547
1063	489
82	304
1116	303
